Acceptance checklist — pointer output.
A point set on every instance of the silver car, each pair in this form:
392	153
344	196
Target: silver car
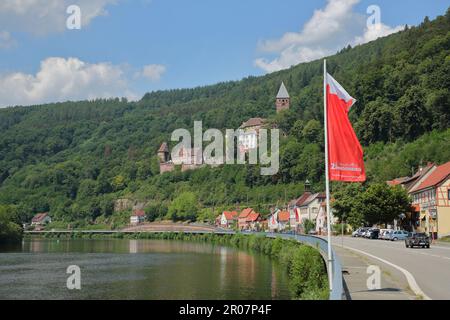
387	235
398	235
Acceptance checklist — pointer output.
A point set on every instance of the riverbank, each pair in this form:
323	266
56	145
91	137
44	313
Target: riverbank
304	265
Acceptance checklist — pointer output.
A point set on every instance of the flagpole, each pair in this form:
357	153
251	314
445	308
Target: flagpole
327	176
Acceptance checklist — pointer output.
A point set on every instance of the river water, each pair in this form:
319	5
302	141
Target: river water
137	269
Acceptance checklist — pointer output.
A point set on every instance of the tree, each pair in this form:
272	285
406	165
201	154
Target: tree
183	207
345	204
207	215
382	203
155	211
10	230
411	118
313	133
118	183
297	130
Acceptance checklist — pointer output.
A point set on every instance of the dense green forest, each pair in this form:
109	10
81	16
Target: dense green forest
74	159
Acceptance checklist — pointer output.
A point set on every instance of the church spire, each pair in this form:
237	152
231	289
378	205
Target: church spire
283	99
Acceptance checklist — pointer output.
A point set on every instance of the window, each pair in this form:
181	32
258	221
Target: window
448	195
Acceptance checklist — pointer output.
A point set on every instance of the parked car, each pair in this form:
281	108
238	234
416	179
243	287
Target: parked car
382	232
417	240
362	232
398	235
368	233
356	233
387	235
373	233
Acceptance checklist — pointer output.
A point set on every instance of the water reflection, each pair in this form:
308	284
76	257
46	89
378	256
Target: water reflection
138	269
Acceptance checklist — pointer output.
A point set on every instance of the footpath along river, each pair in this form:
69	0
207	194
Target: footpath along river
138	269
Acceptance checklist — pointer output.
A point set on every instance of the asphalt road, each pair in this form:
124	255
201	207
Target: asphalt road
429	267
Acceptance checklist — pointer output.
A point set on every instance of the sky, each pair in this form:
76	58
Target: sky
125	48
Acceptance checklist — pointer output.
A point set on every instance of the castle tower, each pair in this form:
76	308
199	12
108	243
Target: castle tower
163	153
283	99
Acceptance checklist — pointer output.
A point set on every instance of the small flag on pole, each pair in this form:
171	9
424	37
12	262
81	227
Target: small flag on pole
345	153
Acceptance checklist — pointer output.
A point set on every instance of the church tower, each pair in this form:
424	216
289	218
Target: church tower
163	153
283	99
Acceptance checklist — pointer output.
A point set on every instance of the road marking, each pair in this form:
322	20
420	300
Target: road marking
440	247
409	277
400	246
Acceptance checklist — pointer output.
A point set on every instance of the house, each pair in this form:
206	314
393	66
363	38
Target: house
243	216
295	218
294	210
272	222
228	219
309	208
187	158
411	221
284	220
279	221
397	181
137	217
418	177
41	219
321	220
253	221
431	198
248	138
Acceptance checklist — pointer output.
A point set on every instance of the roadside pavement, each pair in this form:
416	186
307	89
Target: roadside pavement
355	272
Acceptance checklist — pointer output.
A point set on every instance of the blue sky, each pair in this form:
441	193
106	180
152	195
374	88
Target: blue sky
129	47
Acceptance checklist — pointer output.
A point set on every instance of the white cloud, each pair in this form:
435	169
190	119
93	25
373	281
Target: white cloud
60	79
6	41
376	31
153	72
47	16
328	30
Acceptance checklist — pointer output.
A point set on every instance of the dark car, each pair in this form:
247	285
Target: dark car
417	240
373	234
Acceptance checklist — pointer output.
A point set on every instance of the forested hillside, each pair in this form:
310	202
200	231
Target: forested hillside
74	159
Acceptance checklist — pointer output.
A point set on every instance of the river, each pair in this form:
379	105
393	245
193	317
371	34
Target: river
138	269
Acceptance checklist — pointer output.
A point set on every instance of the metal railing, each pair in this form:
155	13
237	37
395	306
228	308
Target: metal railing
337	291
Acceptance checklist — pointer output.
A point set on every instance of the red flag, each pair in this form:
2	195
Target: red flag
345	153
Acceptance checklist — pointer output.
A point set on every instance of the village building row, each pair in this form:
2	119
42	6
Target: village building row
429	189
192	159
309	206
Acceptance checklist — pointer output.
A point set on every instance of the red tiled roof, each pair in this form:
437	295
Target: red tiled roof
230	215
397	181
39	217
138	213
436	177
409	182
298	202
253	122
313	197
252	217
163	147
284	216
246	212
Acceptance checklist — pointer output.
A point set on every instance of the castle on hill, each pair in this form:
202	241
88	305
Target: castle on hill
247	140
